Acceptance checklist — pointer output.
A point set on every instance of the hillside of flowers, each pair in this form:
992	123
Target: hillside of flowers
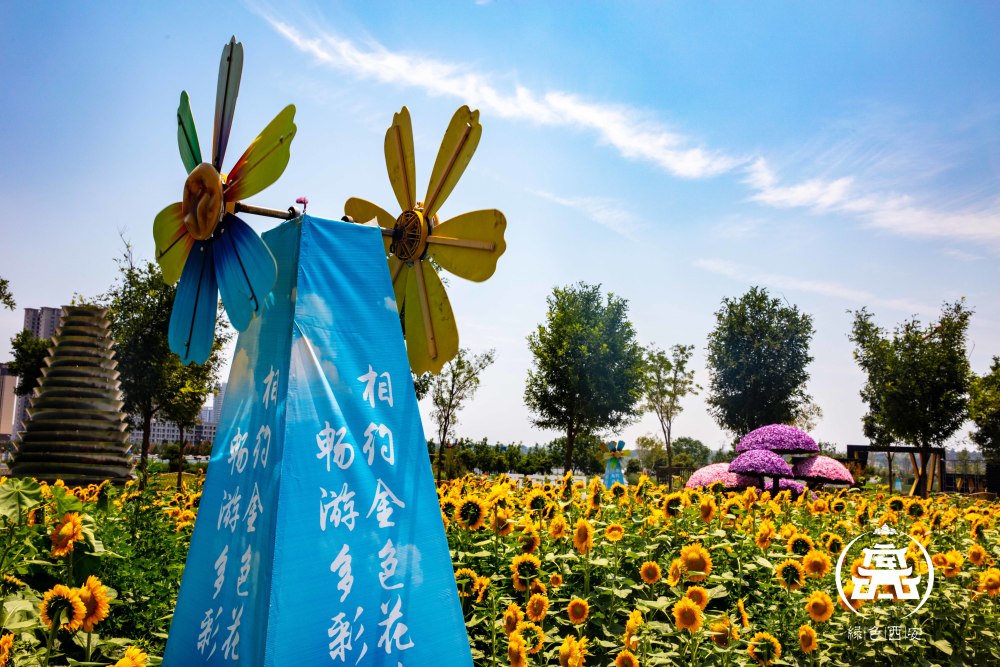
561	573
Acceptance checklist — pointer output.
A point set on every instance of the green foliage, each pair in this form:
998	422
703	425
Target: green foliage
757	356
984	411
918	377
421	384
694	450
153	379
29	359
651	451
6	298
588	368
456	384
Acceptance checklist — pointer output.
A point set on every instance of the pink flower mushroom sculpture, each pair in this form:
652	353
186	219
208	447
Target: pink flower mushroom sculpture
823	469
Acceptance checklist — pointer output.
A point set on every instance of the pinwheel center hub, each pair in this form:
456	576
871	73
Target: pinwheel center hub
409	236
203	202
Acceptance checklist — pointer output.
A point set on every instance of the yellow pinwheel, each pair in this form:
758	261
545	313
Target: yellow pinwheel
199	240
467	245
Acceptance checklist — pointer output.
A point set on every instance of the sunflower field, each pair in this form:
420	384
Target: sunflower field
560	573
567	574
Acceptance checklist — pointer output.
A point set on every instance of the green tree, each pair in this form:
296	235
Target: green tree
139	304
651	451
29	359
6	298
694	450
452	388
757	357
189	388
984	411
667	382
421	384
588	368
918	378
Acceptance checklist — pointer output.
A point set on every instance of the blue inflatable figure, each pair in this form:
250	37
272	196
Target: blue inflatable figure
613	468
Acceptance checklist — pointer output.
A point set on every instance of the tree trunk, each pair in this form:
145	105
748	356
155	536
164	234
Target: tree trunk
570	439
442	435
670	456
180	461
924	487
888	457
147	419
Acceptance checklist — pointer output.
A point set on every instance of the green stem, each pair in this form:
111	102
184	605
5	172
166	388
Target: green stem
90	645
51	639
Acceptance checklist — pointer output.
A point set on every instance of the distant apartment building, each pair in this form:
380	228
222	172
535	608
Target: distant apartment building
42	322
8	383
164	432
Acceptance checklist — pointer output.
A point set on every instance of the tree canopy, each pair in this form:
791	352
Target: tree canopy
6	298
984	411
29	359
588	368
456	384
757	357
667	381
152	377
918	378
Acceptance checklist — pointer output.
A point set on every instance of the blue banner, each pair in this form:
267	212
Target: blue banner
319	537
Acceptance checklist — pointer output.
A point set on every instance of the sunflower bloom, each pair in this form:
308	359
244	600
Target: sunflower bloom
557	527
59	600
66	533
511	618
133	658
696	561
743	614
572	652
765	533
800	544
626	659
674	575
764	648
698	595
472	513
723	632
807	639
6	644
687	615
816	564
555	580
526	568
650	572
94	595
583	536
577	611
631	628
517	650
989	582
538	606
614	533
977	555
707	509
790	574
820	606
533	635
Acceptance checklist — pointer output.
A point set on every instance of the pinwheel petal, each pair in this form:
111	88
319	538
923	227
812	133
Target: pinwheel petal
470	244
265	160
399	159
459	144
230	71
187	135
173	243
362	211
245	269
192	322
431	334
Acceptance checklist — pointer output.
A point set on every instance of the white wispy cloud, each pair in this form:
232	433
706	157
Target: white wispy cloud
856	297
895	213
608	212
632	132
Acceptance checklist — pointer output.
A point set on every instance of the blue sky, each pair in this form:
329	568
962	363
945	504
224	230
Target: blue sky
840	155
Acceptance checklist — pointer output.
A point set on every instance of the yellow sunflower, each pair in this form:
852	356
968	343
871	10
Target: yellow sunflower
807	639
707	508
790	574
631	628
764	648
614	533
696	561
94	595
650	572
526	568
674	575
62	600
989	582
472	513
557	527
6	644
800	544
816	564
511	618
765	533
673	504
687	615
517	650
583	536
743	614
572	652
698	595
133	658
538	606
626	659
555	580
534	636
977	555
577	611
820	606
66	533
723	632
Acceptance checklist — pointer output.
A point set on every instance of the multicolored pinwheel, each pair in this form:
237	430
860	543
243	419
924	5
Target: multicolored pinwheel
468	245
200	240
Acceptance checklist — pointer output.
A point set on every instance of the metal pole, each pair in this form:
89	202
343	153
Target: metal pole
288	214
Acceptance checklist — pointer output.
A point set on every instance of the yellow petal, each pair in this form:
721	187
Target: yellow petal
362	211
431	335
173	243
264	162
457	147
399	159
470	244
